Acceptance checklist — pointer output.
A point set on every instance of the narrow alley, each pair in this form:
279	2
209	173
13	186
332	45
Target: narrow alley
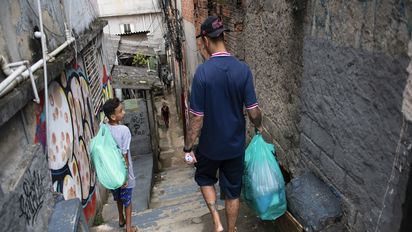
329	84
176	203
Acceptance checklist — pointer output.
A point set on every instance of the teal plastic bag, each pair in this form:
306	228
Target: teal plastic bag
107	159
263	183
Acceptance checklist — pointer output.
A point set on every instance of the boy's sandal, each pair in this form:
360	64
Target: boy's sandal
121	225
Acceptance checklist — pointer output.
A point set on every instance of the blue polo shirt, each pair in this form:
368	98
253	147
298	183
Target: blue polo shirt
221	87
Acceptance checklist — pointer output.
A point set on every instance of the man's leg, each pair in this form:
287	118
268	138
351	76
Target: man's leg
232	211
209	194
230	174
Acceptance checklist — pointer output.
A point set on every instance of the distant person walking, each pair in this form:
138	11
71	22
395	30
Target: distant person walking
221	88
165	114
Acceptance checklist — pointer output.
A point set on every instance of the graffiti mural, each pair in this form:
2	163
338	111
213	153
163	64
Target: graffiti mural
72	125
136	118
107	90
107	87
32	197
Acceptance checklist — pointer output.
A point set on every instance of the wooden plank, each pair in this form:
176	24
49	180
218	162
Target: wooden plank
287	223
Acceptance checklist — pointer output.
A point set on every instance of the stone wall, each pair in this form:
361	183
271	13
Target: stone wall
27	202
351	124
273	41
19	18
352	129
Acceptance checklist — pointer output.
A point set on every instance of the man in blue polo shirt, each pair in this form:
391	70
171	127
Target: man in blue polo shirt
221	88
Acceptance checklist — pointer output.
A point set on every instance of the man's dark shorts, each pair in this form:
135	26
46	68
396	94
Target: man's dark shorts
230	174
124	195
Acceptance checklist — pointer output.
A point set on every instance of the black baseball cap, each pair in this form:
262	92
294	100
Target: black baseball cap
212	27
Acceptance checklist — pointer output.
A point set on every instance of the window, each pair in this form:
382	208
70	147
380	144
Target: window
126	28
92	73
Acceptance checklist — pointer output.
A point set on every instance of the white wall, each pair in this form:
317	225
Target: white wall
144	22
80	13
193	59
127	7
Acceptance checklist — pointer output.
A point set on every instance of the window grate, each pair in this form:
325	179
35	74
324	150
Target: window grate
92	73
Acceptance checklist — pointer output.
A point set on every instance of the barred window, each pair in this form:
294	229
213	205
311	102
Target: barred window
92	73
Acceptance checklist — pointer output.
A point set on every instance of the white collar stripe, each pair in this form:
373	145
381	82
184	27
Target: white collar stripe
221	54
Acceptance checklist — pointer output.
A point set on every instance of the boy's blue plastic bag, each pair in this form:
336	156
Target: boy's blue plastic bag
107	159
263	184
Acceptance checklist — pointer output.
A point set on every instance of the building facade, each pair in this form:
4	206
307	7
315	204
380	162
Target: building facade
139	22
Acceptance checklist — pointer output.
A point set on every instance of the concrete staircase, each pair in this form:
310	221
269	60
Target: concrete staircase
177	204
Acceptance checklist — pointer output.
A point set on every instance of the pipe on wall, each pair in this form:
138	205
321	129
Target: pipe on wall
22	72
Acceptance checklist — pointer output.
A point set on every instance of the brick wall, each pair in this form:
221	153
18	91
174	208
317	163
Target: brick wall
232	15
188	10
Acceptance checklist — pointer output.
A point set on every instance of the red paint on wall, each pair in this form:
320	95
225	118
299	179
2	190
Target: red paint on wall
90	208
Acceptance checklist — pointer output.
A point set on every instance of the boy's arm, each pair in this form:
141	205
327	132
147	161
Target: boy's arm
125	150
126	158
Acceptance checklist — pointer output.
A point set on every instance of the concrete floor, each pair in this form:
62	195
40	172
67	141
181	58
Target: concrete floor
176	203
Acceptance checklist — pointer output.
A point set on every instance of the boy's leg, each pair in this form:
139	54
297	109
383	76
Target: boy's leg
120	209
129	218
126	196
116	197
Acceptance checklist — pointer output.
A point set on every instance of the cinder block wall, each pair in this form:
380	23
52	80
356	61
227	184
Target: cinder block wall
353	134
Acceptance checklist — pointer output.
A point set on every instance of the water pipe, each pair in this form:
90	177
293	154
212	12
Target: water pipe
22	72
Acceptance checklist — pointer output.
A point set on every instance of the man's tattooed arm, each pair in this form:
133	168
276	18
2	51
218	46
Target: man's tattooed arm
195	126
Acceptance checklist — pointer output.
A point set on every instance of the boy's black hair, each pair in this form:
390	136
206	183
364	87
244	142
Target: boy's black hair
110	106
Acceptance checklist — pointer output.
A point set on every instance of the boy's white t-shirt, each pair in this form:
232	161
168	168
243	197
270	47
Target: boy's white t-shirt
122	136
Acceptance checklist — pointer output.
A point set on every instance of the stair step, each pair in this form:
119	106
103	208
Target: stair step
167	215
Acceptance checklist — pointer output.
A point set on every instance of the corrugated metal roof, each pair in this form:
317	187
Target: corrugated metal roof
130	77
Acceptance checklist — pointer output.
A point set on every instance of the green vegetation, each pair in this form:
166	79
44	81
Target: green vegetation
140	60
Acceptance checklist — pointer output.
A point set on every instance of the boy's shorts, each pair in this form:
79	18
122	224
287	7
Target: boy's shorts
230	174
124	195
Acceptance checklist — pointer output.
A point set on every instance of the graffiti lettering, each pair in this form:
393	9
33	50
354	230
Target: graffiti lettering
32	197
136	126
